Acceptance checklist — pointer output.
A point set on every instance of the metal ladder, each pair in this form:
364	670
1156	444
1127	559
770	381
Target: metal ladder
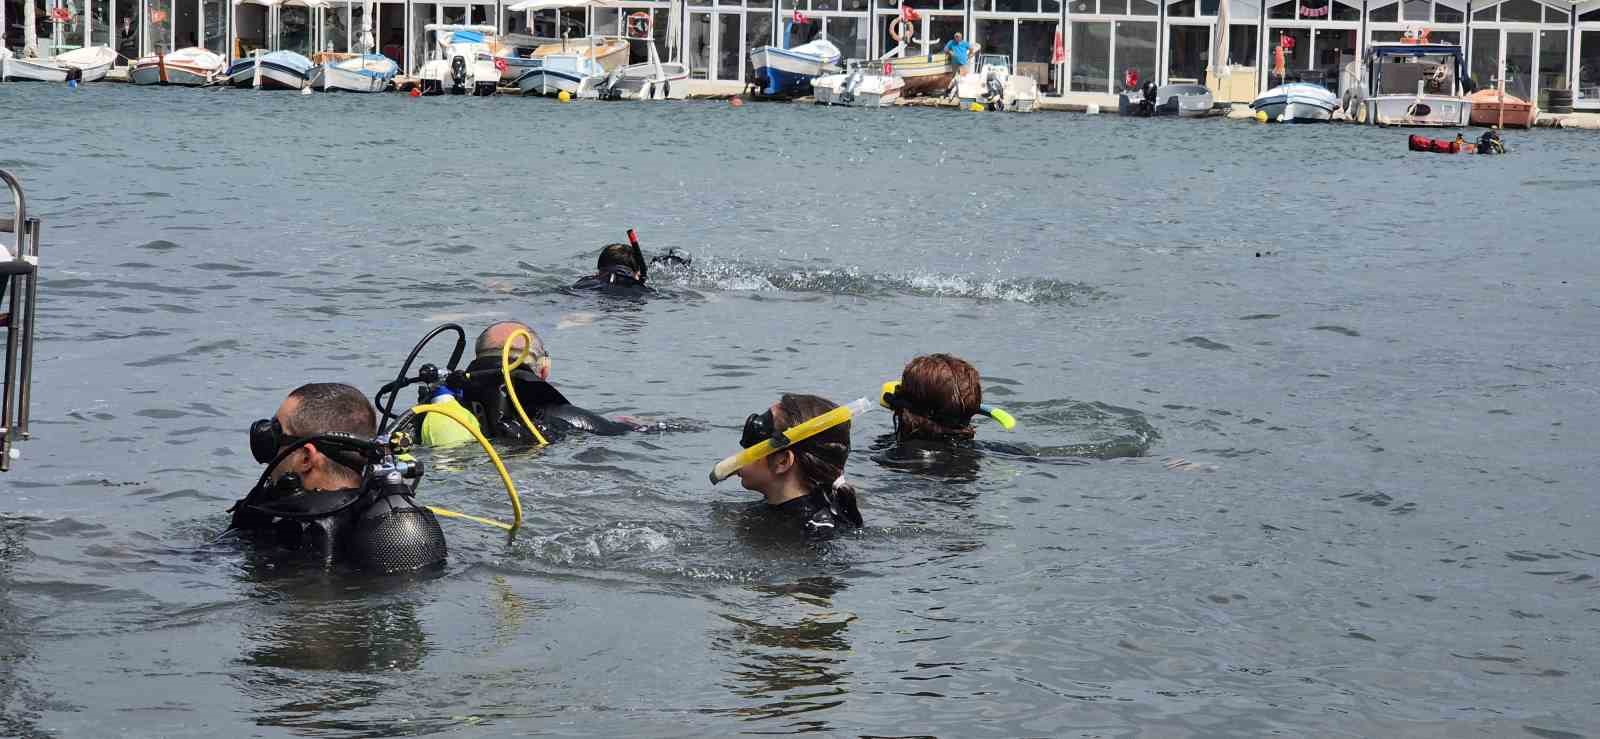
19	268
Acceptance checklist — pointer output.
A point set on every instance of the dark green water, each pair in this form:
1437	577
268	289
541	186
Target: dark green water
1387	529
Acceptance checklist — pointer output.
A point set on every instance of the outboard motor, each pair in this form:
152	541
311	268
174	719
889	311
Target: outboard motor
608	90
458	74
1147	105
996	89
851	84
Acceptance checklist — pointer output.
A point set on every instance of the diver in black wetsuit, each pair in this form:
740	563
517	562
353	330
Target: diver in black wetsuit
622	270
933	405
331	491
802	482
545	405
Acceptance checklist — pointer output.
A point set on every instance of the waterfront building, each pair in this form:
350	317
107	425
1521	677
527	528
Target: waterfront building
1536	46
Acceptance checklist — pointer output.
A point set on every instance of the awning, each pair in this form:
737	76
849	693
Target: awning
537	5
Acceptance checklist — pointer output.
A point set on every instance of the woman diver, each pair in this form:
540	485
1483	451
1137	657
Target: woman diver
933	404
794	455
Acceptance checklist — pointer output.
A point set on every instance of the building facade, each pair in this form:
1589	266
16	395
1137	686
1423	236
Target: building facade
1535	46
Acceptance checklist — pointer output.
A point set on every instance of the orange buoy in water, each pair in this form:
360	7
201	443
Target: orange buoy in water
736	102
416	92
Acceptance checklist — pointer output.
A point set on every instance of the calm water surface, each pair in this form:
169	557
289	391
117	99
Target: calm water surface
1387	527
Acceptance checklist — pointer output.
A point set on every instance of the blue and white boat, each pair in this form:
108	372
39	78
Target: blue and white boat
1296	102
276	70
787	73
353	73
577	74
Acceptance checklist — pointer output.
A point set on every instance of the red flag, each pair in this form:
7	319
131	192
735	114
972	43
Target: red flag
909	14
1058	49
800	18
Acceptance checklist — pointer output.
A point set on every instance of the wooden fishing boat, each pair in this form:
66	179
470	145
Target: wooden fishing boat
192	66
609	53
1487	106
929	74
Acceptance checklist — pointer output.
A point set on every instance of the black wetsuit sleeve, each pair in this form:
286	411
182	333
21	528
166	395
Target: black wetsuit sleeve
585	420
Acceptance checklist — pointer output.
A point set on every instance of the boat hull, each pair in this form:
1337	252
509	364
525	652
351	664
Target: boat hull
782	73
177	74
923	75
643	82
32	70
1017	93
329	78
874	92
1296	103
1486	111
1424	111
554	82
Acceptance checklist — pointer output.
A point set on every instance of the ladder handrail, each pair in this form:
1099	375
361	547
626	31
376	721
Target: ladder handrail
22	281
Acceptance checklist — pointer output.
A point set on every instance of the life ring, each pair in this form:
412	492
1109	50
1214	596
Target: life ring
639	25
500	64
900	33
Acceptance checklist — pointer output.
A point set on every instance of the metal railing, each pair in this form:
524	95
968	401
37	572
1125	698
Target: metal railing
19	268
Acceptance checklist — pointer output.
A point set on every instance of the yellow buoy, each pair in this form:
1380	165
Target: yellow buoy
565	97
976	107
1261	116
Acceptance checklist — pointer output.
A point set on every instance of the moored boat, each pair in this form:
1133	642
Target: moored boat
787	73
1296	102
995	86
276	70
192	66
929	74
864	85
1492	110
464	61
88	64
352	72
1183	100
1409	84
575	74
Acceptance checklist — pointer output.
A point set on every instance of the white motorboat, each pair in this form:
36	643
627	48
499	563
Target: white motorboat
995	86
652	79
858	86
576	74
1409	84
1296	102
353	72
193	66
276	70
463	61
88	64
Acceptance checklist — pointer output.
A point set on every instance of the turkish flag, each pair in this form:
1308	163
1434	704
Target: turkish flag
1058	49
800	18
909	14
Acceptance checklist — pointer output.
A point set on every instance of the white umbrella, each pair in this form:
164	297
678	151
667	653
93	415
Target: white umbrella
30	31
1218	63
367	43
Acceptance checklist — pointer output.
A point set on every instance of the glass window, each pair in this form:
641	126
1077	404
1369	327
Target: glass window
1552	64
824	4
128	29
1485	14
1141	7
1417	11
850	35
1136	48
336	22
1091	56
1484	64
942	28
1446	37
1526	11
185	23
1589	66
1591	16
1187	50
1282	11
1552	15
1083	6
1113	7
858	6
1445	14
1387	37
1385	14
484	15
1016	6
1242	44
698	53
1293	46
757	31
1035	40
1181	9
389	25
1209	7
1343	12
995	36
1050	6
99	25
730	60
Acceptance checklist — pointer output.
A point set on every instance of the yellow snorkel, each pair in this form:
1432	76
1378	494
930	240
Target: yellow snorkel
999	415
789	436
460	415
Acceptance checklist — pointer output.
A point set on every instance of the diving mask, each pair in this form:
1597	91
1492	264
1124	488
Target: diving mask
266	438
889	397
760	440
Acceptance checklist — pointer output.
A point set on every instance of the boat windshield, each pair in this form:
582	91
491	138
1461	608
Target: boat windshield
994	60
1400	75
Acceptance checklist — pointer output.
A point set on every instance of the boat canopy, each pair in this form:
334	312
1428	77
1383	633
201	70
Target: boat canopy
1406	50
537	5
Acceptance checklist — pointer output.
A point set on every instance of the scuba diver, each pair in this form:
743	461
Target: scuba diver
621	269
485	395
332	491
794	455
1490	143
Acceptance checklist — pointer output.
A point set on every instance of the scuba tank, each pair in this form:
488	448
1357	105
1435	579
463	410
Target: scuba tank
438	430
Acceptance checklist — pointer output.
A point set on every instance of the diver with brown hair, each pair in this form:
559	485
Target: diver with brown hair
794	455
622	269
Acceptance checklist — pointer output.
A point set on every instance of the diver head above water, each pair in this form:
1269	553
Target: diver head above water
333	490
804	478
620	266
937	397
550	411
493	339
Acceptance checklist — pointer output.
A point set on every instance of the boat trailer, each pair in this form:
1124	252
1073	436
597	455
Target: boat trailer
19	268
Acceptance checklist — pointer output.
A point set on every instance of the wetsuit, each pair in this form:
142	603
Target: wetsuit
615	280
821	514
374	528
545	405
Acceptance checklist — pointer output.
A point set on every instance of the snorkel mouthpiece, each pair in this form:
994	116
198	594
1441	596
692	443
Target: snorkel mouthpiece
887	399
792	435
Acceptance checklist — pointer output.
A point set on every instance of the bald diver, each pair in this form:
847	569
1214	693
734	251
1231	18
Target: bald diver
333	492
555	416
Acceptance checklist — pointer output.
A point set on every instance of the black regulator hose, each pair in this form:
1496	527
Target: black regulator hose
392	389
